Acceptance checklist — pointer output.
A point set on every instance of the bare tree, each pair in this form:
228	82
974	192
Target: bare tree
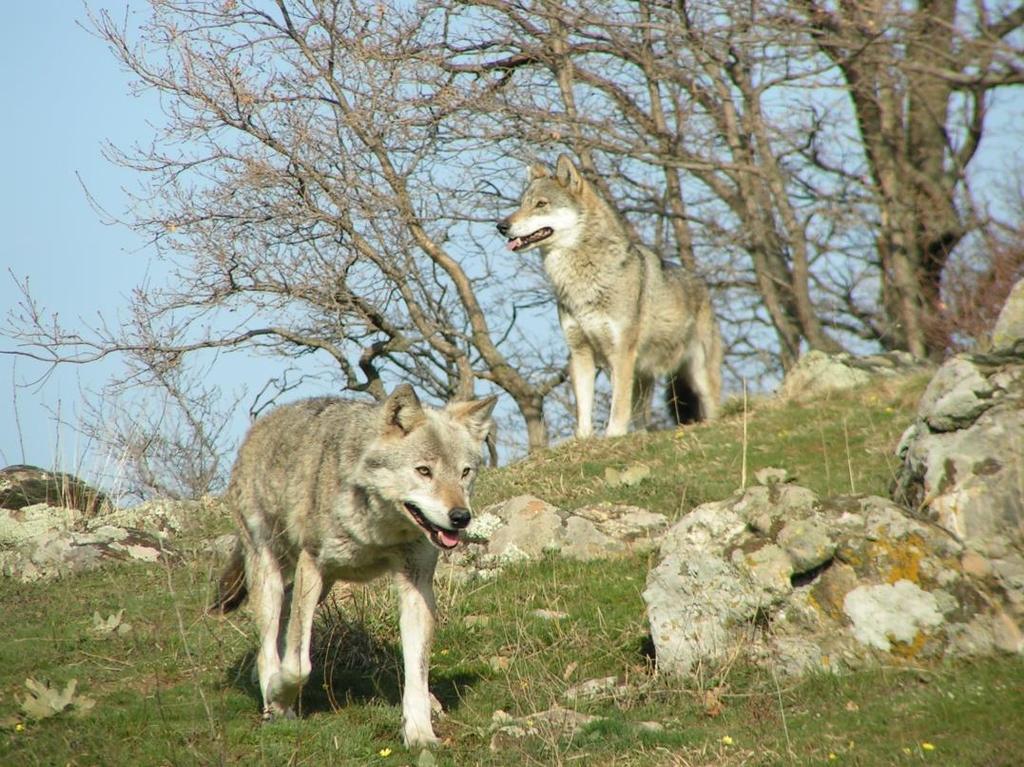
669	108
809	161
920	77
308	198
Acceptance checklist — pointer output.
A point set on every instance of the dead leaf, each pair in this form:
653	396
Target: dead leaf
114	624
713	705
628	477
44	701
569	670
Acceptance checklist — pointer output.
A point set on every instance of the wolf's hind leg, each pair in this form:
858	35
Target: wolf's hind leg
622	366
643	392
416	626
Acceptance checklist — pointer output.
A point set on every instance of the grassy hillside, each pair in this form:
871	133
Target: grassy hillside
175	688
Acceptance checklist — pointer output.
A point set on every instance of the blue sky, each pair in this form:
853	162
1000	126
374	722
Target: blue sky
64	96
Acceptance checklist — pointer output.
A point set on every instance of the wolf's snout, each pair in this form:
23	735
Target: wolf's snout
504	226
459	517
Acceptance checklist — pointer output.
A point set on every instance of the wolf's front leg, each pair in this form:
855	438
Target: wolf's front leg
416	625
583	371
266	589
295	660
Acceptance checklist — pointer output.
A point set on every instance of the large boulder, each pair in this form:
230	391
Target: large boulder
817	374
43	542
800	583
22	485
962	460
1009	327
53	542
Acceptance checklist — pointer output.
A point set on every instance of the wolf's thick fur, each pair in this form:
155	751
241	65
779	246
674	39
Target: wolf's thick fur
325	490
620	306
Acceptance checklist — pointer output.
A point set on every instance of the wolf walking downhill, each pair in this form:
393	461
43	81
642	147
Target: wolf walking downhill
620	306
325	490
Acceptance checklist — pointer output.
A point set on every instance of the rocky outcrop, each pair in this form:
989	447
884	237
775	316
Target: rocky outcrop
785	578
526	527
52	542
1009	327
43	542
23	485
962	460
817	374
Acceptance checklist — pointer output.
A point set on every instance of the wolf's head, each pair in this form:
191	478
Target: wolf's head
550	212
425	461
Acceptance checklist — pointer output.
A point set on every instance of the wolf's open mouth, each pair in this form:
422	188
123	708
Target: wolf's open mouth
443	539
518	243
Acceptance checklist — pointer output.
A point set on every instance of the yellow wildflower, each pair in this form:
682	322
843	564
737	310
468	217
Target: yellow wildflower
727	740
385	752
928	746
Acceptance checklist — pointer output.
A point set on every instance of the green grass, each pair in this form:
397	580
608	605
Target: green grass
839	445
176	689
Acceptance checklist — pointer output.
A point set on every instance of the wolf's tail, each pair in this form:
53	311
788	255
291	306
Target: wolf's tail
684	405
231	589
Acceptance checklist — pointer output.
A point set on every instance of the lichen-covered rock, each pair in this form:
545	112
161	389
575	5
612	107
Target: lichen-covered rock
532	526
962	460
552	724
1009	327
165	517
525	528
44	542
28	523
817	373
888	613
801	583
58	553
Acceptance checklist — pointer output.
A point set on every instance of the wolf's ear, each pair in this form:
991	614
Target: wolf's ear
475	415
536	170
567	175
402	409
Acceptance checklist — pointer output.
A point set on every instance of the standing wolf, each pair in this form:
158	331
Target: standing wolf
327	490
620	307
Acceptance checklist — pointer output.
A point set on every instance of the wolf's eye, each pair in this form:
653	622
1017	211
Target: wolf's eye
540	204
424	471
465	472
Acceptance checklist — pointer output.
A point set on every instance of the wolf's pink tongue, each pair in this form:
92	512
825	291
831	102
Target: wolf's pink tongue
448	540
514	243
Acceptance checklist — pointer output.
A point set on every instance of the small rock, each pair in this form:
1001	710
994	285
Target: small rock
549	615
650	727
628	477
808	543
771	476
596	688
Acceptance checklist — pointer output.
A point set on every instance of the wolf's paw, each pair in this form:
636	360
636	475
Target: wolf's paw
420	738
274	713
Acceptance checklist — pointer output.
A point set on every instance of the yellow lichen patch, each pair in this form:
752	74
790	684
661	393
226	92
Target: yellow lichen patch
903	558
911	650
